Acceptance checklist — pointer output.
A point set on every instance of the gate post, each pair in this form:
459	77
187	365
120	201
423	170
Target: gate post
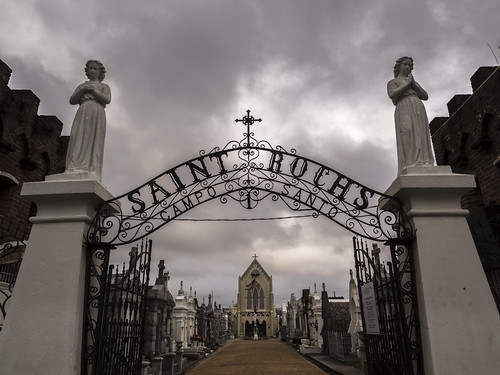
43	330
459	322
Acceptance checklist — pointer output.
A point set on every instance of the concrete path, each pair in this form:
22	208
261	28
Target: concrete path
248	357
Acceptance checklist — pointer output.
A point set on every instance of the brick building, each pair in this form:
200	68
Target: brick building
31	147
469	141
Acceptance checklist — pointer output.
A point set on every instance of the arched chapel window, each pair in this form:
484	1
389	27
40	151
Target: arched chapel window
249	299
255	297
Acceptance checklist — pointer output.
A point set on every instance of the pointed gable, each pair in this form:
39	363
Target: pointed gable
255	266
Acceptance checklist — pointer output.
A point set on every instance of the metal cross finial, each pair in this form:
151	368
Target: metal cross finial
248	120
255	256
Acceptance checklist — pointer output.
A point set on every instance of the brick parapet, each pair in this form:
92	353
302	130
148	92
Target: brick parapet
469	140
31	147
5	72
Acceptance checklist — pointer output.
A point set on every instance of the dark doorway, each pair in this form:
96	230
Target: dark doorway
248	329
262	328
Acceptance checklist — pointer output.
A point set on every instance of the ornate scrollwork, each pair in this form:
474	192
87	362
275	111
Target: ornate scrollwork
249	171
115	301
394	289
12	246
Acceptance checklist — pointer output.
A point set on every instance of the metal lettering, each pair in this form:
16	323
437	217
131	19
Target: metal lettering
302	168
219	161
276	160
133	199
200	169
175	179
364	198
187	203
285	187
211	192
177	211
319	174
156	188
297	196
320	209
343	188
310	200
198	195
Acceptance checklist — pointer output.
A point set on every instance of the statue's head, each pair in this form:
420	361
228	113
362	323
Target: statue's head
102	69
398	64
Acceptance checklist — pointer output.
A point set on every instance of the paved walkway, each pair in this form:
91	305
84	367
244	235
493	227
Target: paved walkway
267	357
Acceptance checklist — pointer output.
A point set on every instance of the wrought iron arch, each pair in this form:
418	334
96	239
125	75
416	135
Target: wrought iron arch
249	171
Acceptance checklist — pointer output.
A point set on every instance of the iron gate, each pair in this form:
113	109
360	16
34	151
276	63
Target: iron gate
116	299
389	309
247	171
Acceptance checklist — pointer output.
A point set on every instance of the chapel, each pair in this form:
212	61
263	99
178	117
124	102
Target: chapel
255	300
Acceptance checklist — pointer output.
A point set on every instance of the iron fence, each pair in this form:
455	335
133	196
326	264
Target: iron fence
340	345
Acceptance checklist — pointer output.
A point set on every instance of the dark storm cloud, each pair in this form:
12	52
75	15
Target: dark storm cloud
181	72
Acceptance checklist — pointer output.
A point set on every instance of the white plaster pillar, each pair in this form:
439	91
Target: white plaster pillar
460	325
43	328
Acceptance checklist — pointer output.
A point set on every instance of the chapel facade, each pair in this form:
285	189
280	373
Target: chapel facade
255	300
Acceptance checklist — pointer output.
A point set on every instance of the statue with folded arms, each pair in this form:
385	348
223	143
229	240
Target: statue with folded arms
86	142
412	126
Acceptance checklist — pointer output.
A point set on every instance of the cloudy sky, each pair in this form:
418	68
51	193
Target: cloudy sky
182	71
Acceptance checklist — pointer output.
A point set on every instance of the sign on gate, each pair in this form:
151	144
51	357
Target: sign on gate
370	312
389	309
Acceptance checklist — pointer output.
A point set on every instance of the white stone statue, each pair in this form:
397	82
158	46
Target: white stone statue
412	126
86	142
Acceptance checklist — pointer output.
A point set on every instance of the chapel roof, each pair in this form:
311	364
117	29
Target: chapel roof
255	265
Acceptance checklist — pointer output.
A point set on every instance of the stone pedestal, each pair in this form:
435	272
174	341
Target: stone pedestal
178	357
144	367
43	329
169	364
156	365
459	322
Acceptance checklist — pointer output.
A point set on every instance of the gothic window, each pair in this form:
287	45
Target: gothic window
255	297
249	299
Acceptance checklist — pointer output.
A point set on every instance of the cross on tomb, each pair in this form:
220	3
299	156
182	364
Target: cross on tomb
161	268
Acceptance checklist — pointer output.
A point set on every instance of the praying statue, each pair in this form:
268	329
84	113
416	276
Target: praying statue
412	127
86	142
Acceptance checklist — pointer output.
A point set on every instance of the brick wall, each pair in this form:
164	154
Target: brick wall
31	147
469	139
